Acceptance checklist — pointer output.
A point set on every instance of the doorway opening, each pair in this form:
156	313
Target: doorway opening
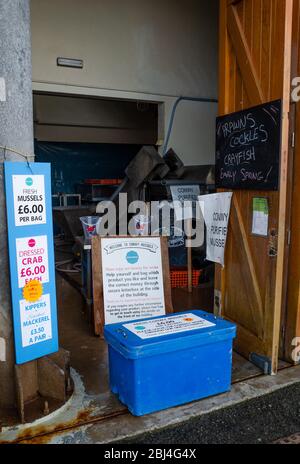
87	139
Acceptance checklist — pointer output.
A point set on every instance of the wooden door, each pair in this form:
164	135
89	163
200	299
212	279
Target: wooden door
255	59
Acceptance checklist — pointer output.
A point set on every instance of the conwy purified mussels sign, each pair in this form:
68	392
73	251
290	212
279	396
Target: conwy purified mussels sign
248	148
216	211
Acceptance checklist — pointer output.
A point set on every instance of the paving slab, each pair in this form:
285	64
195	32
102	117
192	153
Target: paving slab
291	440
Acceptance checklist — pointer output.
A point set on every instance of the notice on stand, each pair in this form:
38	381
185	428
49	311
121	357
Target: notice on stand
168	326
36	321
132	278
29	199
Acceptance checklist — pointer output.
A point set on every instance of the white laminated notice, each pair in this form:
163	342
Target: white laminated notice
132	278
168	326
216	211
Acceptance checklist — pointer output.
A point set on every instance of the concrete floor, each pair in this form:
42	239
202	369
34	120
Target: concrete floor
261	409
261	420
95	409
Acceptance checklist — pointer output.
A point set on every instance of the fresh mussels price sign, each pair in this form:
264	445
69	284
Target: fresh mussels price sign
248	148
31	256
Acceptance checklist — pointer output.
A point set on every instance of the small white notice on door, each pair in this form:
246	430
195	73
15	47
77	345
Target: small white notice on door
260	218
168	326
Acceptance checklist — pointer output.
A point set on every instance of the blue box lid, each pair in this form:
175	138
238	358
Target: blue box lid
163	334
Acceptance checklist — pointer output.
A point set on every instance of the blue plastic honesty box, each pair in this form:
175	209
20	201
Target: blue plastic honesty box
169	360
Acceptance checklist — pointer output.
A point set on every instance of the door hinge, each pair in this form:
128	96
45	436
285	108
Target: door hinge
289	238
293	137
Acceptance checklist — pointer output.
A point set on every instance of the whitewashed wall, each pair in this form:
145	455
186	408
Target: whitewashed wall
138	49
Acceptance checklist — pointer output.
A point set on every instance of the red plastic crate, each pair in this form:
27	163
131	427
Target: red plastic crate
103	181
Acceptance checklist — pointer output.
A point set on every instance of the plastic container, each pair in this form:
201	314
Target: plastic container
166	361
89	224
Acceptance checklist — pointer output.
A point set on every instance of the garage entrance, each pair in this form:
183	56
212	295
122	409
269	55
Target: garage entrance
91	122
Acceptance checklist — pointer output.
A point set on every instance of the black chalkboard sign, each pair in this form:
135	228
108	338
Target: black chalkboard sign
248	148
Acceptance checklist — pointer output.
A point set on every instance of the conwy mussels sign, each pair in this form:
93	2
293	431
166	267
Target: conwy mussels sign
248	148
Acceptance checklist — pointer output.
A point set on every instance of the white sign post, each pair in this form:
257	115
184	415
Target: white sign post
216	209
186	196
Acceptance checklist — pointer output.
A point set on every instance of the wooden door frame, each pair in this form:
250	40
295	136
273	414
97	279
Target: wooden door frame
228	15
284	206
291	321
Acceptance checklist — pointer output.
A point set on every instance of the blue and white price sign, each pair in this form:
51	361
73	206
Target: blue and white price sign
31	257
